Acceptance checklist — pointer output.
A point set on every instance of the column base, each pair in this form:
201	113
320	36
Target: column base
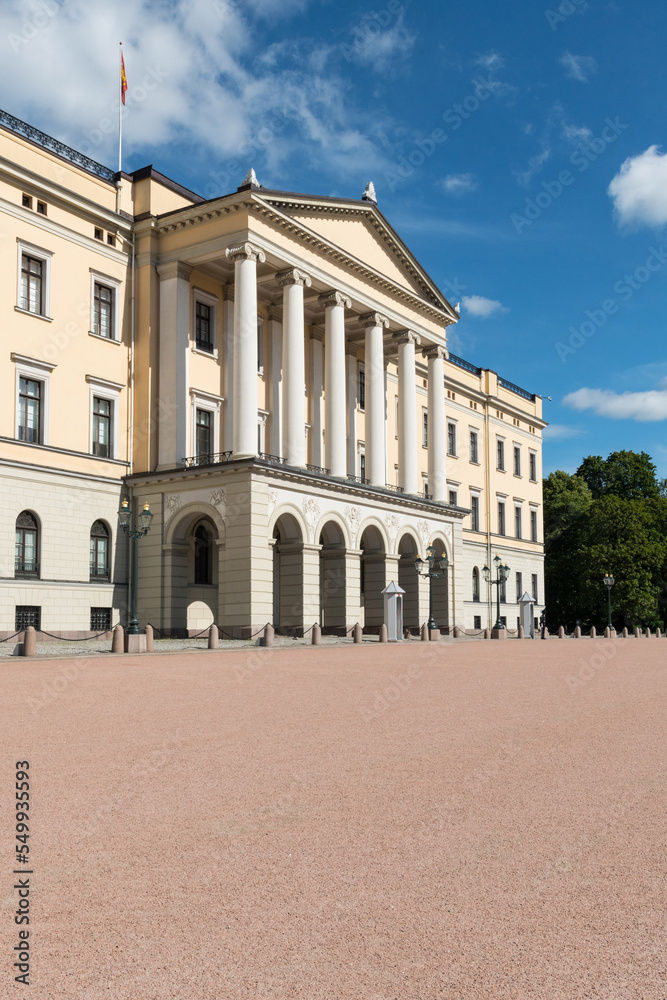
134	643
498	633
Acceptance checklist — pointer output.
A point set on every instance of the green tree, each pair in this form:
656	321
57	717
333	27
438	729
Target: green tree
627	474
567	502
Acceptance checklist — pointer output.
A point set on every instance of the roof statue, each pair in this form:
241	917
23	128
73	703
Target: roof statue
369	194
250	179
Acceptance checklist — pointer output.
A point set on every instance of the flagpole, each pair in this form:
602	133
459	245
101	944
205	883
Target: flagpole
120	112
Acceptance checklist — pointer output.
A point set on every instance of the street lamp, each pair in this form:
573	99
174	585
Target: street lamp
609	582
435	568
127	523
502	573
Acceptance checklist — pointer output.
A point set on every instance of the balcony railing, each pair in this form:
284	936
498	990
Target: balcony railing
272	459
318	470
205	345
99	574
208	458
26	569
55	146
517	389
466	365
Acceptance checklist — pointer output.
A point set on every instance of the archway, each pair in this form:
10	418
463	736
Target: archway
192	594
373	577
332	580
441	590
409	580
288	575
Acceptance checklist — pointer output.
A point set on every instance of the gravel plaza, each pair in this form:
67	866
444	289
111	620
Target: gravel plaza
406	822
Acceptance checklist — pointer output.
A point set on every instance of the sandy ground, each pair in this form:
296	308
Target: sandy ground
384	823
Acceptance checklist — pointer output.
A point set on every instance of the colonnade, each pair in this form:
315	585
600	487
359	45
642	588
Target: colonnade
339	380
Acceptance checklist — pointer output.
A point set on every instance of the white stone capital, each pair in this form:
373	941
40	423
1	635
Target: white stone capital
245	251
293	276
334	298
369	320
406	337
432	351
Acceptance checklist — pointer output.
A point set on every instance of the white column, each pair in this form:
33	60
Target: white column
315	396
174	364
352	365
376	472
334	380
227	389
275	445
407	411
437	423
294	366
245	259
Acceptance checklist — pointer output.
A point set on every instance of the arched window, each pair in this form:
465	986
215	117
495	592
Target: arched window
99	551
26	558
475	584
203	555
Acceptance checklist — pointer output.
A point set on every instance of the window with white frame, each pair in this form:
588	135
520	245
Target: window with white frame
517	460
533	583
361	454
451	438
34	280
32	399
104	414
205	322
474	446
501	517
533	524
474	511
454	497
260	345
361	390
424	427
500	453
518	519
475	584
396	416
425	484
204	425
519	587
105	311
532	461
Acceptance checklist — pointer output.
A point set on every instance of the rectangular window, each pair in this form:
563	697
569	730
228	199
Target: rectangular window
99	234
26	201
203	434
451	439
424	428
474	506
500	450
30	410
503	618
362	391
362	466
203	327
533	525
519	587
533	581
102	424
100	619
32	284
533	467
501	517
41	207
111	239
425	484
517	460
477	622
103	305
474	447
260	346
25	615
517	522
453	498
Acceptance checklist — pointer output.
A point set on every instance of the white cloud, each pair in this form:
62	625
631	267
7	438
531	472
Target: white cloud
379	49
459	183
195	82
577	134
639	189
578	67
561	432
645	407
490	61
482	308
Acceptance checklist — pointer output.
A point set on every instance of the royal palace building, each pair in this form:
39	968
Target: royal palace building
269	372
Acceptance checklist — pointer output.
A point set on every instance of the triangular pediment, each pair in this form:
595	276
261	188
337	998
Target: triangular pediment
360	231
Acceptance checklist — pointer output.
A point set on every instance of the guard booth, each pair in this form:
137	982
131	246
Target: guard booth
393	611
526	605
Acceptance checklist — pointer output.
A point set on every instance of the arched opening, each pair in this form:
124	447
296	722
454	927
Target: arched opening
203	554
26	547
441	590
373	577
332	580
100	539
192	592
288	575
409	580
475	584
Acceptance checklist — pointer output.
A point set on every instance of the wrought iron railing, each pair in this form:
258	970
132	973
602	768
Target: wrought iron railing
465	364
319	470
394	489
55	146
205	345
517	389
98	574
272	459
217	458
26	569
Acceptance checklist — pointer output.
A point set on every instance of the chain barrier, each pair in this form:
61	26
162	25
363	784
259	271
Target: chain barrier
88	638
13	636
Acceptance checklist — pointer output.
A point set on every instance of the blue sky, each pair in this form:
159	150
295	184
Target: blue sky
516	148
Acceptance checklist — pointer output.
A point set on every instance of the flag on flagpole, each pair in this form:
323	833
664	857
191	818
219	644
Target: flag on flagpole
123	78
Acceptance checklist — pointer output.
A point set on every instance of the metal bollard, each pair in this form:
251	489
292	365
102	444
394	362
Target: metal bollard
149	638
118	640
424	633
269	633
213	637
358	633
317	635
29	647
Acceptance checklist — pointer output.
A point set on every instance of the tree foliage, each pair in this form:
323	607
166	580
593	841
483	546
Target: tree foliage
610	517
